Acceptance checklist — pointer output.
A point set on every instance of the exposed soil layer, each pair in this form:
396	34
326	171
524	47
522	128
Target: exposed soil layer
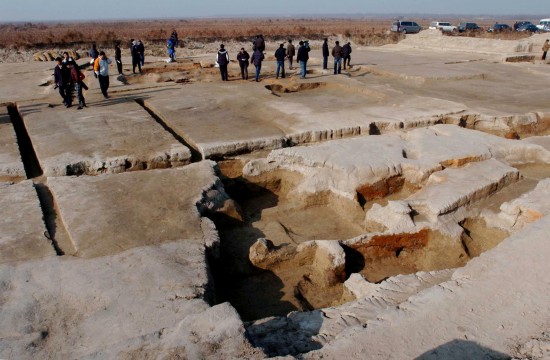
389	255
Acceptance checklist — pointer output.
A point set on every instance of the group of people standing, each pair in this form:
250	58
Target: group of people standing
68	77
340	54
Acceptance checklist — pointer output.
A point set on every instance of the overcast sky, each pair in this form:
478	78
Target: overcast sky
33	10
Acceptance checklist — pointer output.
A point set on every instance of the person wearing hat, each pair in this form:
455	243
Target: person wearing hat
223	60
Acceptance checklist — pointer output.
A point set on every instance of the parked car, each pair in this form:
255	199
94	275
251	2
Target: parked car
405	27
499	28
468	26
544	24
519	24
443	26
529	27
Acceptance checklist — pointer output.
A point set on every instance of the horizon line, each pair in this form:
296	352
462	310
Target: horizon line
280	16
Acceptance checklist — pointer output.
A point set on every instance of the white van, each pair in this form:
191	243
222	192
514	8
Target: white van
544	24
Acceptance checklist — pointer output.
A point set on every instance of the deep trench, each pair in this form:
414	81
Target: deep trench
28	155
34	172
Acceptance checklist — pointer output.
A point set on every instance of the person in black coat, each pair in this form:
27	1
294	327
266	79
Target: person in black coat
303	57
223	60
118	58
325	54
141	50
136	57
280	56
243	57
62	81
259	43
257	58
346	54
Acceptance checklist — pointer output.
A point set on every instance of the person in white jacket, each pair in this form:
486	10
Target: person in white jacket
101	68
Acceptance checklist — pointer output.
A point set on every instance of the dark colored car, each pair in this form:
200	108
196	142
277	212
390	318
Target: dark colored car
519	24
499	28
468	26
530	28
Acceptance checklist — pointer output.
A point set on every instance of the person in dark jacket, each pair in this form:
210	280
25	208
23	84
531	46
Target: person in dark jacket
337	55
141	50
175	37
325	54
223	60
243	57
259	43
94	54
280	56
62	81
136	57
291	51
303	57
346	54
257	58
118	58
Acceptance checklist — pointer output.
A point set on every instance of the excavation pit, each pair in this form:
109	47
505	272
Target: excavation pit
270	210
294	88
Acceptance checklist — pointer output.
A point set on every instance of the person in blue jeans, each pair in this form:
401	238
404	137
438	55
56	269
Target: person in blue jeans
280	56
303	57
257	58
337	54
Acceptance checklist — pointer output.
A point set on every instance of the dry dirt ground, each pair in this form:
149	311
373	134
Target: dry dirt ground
397	210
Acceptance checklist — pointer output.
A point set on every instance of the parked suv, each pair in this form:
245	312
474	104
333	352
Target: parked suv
405	27
468	26
443	26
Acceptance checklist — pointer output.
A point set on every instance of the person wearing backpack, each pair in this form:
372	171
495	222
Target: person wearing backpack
222	59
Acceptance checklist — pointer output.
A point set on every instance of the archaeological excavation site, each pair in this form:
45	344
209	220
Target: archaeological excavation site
399	210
